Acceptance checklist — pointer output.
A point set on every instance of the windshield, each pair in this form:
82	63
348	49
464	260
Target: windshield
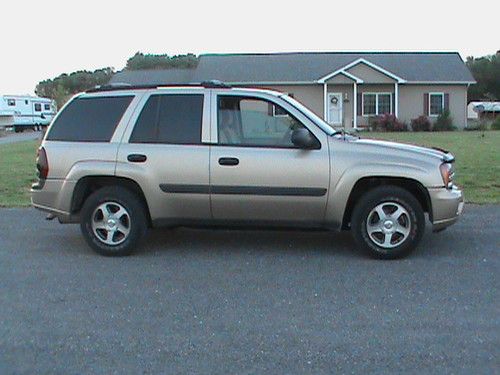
309	114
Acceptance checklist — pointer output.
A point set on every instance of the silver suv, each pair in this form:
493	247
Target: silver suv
119	160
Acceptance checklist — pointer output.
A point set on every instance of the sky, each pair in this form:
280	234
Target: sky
41	40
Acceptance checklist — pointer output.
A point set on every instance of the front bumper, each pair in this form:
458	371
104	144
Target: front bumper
447	206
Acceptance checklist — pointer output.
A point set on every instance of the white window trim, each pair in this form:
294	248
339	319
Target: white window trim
442	103
376	102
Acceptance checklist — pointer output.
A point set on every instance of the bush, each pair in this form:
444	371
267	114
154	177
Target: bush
421	124
387	123
443	122
495	125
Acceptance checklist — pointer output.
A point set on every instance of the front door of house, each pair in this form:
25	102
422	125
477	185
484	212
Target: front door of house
335	109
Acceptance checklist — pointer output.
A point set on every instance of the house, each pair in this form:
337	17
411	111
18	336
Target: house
346	89
483	110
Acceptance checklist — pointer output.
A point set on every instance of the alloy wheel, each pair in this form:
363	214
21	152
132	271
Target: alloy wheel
111	223
388	224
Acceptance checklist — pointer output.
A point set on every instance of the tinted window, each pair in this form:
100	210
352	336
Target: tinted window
38	107
11	102
174	119
254	122
46	107
89	119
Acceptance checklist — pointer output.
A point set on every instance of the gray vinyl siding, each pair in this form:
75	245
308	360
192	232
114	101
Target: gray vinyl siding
411	101
309	95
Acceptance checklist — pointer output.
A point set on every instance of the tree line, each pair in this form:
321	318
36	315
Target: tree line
486	71
62	87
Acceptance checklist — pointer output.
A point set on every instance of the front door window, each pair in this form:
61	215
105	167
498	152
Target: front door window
246	121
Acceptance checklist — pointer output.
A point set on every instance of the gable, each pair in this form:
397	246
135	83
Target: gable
369	74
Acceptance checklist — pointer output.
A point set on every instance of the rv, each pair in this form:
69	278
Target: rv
26	112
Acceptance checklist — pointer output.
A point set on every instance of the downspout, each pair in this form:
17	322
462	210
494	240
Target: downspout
396	99
325	97
355	103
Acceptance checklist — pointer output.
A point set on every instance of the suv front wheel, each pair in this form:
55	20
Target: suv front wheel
388	222
113	220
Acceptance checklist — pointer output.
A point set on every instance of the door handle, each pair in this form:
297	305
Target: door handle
137	158
229	161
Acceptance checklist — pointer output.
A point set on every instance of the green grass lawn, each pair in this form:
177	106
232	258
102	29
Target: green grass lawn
477	164
17	172
477	158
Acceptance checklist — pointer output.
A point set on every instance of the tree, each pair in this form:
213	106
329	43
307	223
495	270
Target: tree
141	61
65	85
486	71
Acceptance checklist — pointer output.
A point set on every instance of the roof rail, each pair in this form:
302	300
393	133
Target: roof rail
126	86
215	84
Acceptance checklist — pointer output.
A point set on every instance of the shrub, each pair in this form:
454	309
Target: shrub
443	122
387	123
421	124
495	125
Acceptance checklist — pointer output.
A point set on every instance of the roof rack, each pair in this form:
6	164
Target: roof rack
215	84
212	84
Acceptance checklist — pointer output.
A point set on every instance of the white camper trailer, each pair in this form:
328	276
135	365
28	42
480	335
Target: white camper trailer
23	112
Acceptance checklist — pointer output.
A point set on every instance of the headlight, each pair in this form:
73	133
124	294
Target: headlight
447	173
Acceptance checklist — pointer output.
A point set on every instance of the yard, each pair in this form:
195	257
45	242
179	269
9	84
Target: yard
477	165
17	172
477	158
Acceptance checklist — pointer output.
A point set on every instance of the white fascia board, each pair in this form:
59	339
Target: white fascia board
366	62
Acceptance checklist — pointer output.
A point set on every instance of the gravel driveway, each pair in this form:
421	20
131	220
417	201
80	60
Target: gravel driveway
234	302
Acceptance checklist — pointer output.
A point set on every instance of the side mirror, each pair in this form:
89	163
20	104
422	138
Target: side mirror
302	138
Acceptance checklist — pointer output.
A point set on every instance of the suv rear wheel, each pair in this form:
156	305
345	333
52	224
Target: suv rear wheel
113	220
388	222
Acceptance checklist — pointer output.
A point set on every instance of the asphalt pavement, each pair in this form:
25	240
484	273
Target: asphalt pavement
248	302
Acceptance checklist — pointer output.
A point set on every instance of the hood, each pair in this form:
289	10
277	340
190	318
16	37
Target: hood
405	147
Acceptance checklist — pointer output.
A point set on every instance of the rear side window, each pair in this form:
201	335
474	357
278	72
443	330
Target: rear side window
89	119
171	119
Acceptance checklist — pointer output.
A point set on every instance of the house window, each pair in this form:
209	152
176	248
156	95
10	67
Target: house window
369	104
375	104
11	102
436	103
384	104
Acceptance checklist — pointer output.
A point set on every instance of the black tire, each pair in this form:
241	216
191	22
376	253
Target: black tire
413	222
137	224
